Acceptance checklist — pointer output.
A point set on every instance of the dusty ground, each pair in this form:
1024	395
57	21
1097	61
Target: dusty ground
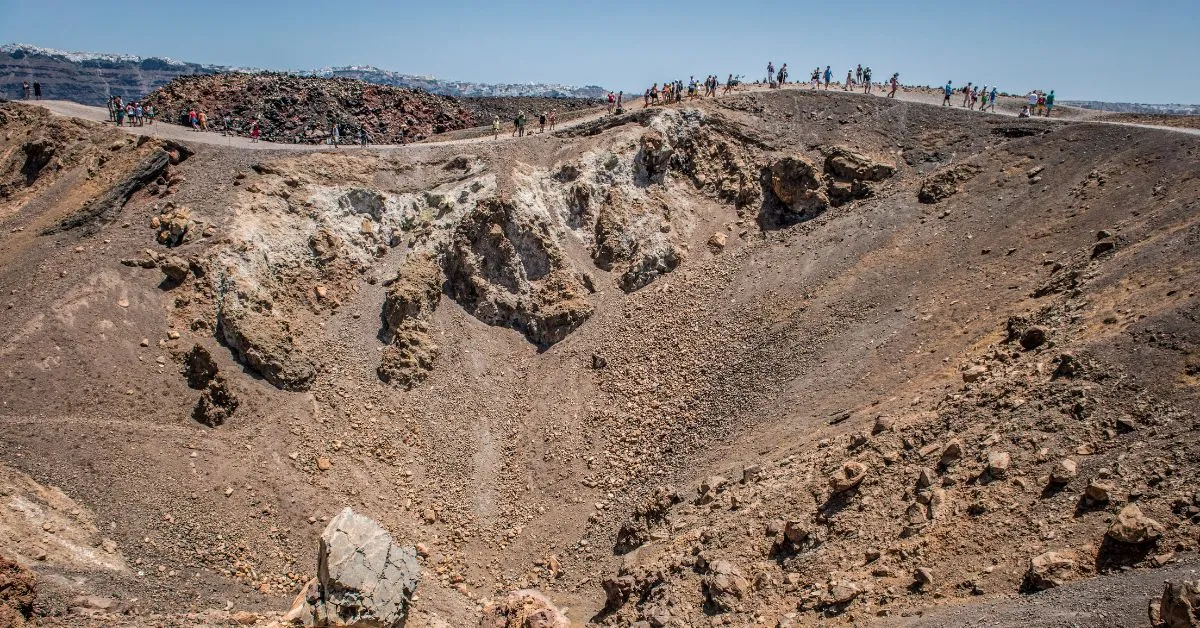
569	323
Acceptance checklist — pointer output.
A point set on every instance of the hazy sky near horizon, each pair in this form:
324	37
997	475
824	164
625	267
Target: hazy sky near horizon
1085	50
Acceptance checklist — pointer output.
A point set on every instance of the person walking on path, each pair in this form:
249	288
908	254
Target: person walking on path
983	96
966	94
815	77
203	121
335	135
1031	102
25	90
1041	104
948	90
193	121
992	99
521	123
867	80
1049	102
620	98
612	100
542	122
858	74
849	78
495	127
37	90
255	130
895	83
828	77
363	137
770	74
783	74
554	119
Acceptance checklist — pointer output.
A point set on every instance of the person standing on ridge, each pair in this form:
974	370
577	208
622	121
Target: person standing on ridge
1041	104
858	75
37	90
770	74
495	127
828	77
620	97
815	77
542	122
521	123
1049	102
895	83
783	74
947	90
25	89
867	80
966	94
612	100
553	119
1032	101
992	99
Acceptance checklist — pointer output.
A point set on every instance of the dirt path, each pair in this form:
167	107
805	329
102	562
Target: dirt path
183	134
1009	106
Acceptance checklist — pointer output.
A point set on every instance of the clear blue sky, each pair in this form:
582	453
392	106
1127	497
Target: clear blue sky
1144	51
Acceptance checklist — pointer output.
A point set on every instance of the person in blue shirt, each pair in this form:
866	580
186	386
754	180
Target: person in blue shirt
948	90
1049	102
828	77
992	100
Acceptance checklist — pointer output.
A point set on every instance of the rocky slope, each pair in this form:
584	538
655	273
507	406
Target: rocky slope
779	359
295	109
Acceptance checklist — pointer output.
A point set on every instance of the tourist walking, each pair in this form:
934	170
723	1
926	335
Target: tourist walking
815	77
521	123
37	90
895	83
783	75
612	100
25	89
992	99
495	127
770	74
1049	102
553	119
948	90
966	94
858	74
867	80
255	130
1031	102
542	122
203	121
828	77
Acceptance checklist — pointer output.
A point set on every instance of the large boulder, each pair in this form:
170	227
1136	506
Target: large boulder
724	585
1049	569
848	476
526	608
848	165
1180	605
797	184
1133	527
363	577
17	586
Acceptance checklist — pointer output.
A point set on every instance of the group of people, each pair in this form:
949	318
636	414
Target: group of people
37	90
1039	104
544	118
973	96
676	91
133	113
854	78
